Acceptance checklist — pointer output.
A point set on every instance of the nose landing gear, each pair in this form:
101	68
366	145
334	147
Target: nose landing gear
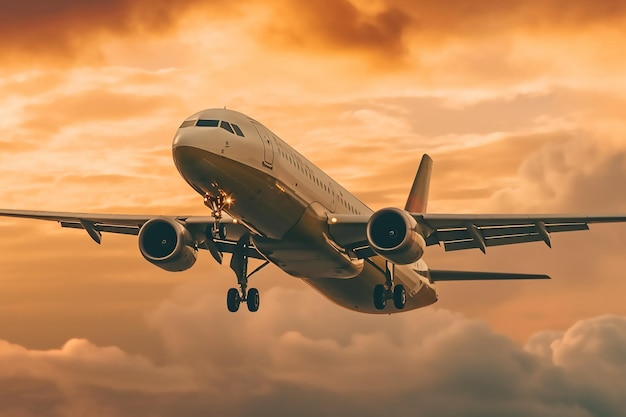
217	203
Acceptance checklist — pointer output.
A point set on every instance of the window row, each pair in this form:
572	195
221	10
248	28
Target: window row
315	180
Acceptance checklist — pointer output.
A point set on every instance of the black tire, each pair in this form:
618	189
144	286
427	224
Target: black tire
253	299
399	297
233	300
379	297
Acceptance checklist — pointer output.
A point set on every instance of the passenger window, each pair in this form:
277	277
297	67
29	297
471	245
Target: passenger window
226	126
187	123
237	130
207	123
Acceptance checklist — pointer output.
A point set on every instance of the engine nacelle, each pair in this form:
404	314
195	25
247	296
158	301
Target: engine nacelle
393	234
167	244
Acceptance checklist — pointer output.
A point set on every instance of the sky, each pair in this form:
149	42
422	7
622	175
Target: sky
521	104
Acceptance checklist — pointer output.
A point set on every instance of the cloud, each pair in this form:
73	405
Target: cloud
322	359
393	31
341	25
67	29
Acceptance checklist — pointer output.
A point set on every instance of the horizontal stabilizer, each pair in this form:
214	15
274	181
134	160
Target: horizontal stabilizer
440	275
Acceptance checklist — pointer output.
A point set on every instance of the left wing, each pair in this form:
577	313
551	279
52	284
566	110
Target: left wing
458	232
130	224
469	231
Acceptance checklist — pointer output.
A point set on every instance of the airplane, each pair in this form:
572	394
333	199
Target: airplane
268	202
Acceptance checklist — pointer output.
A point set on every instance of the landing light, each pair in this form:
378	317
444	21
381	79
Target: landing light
280	187
333	220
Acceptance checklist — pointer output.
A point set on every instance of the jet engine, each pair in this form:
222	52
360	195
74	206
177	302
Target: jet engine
393	234
167	244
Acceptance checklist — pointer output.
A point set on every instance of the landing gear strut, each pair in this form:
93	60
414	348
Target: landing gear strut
217	203
239	261
239	264
389	291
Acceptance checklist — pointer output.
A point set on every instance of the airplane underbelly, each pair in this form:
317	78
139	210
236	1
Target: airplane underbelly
305	251
357	293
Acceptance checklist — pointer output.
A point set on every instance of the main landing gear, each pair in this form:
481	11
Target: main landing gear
389	291
239	260
239	264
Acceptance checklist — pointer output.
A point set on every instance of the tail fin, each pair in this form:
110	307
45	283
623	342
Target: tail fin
418	197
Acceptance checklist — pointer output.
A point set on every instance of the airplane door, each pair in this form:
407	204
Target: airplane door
268	147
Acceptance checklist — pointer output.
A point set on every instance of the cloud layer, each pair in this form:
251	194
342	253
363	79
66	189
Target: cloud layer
324	361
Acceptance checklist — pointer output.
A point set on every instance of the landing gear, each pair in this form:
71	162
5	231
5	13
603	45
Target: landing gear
399	296
389	291
217	203
253	299
233	300
239	261
239	264
380	297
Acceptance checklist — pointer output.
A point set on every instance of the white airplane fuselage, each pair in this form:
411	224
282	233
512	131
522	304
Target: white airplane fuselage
286	202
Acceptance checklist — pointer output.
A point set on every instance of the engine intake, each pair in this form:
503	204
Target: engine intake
167	244
393	234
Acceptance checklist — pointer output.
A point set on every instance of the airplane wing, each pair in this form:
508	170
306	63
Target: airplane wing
130	224
469	231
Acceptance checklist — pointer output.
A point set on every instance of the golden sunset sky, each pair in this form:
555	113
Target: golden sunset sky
521	104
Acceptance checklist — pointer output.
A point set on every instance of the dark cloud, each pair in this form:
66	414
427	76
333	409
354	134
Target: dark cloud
66	30
34	30
396	27
342	25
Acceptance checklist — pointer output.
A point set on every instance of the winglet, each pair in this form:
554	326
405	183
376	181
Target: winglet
418	197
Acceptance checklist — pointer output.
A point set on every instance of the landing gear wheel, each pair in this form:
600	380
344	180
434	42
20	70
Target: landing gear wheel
233	300
399	296
380	299
253	299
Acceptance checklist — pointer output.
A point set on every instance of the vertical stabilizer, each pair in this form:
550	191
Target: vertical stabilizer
418	197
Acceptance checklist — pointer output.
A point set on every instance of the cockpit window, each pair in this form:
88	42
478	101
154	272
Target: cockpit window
208	123
237	130
226	126
187	123
234	129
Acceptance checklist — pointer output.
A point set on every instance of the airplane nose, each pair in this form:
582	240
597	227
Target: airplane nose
185	149
181	140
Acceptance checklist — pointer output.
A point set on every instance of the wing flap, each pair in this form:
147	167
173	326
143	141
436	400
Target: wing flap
494	241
